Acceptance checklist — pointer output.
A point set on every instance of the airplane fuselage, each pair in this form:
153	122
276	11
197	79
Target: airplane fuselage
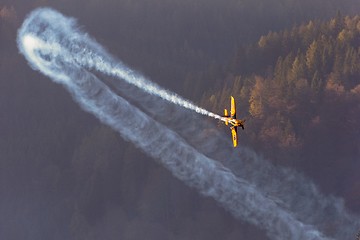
235	122
230	119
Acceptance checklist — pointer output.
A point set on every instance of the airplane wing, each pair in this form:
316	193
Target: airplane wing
233	108
234	136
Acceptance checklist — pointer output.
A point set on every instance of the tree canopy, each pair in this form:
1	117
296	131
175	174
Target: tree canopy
299	90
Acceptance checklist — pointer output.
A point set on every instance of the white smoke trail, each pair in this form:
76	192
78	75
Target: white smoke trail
51	44
293	190
287	187
88	53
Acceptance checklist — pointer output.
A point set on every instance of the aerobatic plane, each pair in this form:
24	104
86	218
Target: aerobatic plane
232	121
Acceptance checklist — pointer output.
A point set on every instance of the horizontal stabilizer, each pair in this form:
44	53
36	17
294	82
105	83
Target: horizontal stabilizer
226	114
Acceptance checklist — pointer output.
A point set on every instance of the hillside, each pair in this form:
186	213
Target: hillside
63	175
300	92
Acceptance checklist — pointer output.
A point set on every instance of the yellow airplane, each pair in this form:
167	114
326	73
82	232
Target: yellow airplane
232	121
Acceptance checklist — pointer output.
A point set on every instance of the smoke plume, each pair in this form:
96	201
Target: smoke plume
279	200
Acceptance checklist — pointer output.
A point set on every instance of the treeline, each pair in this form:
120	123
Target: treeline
313	51
174	40
300	92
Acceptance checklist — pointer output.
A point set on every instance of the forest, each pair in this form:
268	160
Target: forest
299	90
293	67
